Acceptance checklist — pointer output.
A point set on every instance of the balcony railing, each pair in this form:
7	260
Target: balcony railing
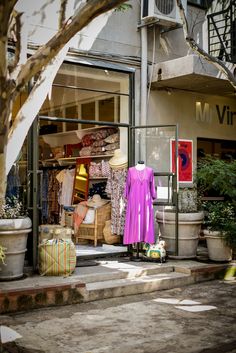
222	34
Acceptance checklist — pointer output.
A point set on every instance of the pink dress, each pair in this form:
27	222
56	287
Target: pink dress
140	193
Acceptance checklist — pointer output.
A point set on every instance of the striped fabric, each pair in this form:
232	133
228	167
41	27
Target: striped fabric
57	258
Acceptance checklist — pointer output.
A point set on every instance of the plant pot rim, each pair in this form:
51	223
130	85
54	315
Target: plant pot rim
213	233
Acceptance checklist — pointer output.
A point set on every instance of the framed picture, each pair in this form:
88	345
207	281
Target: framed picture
185	160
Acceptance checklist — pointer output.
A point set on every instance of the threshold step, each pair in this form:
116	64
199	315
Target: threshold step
131	286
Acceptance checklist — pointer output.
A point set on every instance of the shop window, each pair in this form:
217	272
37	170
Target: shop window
221	149
88	93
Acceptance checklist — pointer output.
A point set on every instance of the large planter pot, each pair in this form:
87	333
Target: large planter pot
13	237
217	249
189	228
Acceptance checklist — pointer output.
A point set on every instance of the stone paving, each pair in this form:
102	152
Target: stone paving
199	318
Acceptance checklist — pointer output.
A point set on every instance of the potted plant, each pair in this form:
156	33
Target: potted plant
190	218
218	178
14	229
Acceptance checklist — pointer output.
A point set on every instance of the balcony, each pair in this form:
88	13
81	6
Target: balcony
190	73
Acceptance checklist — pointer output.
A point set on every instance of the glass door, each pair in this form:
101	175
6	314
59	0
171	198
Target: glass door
157	146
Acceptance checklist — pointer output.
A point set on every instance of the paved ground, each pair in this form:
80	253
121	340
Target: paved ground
136	324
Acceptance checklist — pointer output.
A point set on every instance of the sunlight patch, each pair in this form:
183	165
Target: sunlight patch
196	308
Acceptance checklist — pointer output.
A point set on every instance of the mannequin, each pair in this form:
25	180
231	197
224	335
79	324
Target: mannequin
140	165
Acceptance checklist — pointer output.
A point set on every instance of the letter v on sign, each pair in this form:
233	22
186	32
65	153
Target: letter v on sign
220	116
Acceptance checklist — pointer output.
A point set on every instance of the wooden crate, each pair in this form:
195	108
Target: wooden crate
95	231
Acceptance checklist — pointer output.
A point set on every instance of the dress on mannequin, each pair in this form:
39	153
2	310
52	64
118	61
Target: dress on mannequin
140	193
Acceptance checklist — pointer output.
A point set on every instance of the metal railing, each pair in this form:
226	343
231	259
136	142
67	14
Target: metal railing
222	34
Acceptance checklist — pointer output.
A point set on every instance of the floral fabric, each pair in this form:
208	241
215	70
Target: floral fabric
115	188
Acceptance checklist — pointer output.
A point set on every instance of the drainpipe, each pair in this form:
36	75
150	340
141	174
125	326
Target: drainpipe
143	93
143	88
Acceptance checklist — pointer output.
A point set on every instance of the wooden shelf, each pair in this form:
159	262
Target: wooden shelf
70	160
98	178
71	137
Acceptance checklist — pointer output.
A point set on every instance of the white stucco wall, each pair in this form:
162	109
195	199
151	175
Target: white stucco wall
180	108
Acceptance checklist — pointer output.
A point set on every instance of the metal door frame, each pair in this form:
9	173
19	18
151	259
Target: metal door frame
173	198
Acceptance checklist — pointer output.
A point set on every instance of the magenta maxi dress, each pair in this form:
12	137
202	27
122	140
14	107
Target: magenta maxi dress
140	192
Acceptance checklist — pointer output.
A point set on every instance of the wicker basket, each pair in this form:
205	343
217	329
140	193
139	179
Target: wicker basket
95	231
69	222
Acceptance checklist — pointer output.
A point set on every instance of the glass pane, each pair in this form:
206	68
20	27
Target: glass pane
92	78
87	113
153	146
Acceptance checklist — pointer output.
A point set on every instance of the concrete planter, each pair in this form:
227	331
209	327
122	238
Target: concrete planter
217	249
189	229
13	237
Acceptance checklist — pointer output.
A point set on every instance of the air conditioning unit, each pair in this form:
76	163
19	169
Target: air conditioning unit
165	12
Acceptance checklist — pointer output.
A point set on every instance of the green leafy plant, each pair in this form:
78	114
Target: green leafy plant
12	208
218	178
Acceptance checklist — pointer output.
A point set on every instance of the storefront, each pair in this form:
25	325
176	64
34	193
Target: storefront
88	116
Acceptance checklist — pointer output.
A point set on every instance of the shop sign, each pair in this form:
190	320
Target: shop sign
185	160
205	112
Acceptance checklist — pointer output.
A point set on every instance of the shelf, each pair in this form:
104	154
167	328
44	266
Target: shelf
69	137
61	138
97	156
70	160
49	162
67	161
97	178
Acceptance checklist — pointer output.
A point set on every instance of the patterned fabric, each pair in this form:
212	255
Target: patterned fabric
112	138
88	140
98	188
105	168
95	169
112	146
57	258
99	143
85	151
79	214
45	197
115	188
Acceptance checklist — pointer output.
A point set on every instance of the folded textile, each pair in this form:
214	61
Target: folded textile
79	214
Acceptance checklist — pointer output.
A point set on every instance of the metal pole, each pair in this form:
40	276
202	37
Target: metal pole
177	192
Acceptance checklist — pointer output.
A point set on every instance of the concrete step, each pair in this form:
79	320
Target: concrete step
124	271
136	285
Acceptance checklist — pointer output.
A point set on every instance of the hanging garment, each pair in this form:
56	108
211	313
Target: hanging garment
66	179
139	192
53	190
115	188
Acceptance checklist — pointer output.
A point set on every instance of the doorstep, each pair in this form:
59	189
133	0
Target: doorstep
104	278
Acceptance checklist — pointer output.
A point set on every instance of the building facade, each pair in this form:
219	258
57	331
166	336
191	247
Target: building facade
138	71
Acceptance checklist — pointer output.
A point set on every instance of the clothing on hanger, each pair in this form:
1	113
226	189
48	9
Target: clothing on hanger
140	192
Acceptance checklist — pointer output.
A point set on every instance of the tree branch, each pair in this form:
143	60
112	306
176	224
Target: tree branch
62	14
42	56
17	38
6	8
220	65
